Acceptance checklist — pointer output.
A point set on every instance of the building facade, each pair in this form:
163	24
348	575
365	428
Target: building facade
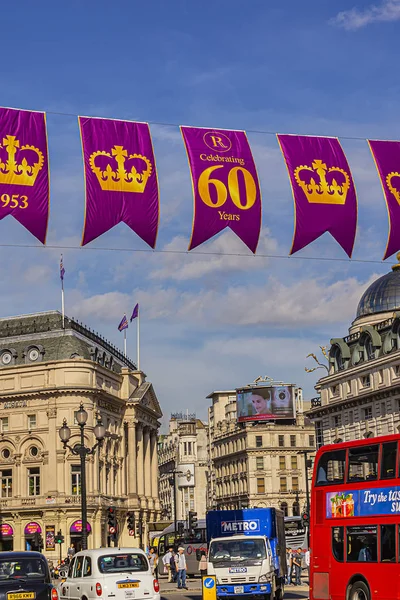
360	396
47	368
183	465
256	464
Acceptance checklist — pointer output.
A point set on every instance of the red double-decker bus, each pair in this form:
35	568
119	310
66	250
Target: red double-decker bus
355	521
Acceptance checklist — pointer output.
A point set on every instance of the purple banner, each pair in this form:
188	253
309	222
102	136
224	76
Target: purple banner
121	178
323	190
24	169
387	160
76	527
225	185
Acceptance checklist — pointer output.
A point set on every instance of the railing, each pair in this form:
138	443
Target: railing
42	501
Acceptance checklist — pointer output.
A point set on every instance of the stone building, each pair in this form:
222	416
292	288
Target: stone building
46	371
182	455
360	396
257	464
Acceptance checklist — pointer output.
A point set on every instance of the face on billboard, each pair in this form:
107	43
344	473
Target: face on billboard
265	403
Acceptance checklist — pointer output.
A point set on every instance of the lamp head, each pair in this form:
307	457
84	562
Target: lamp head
99	431
65	432
81	415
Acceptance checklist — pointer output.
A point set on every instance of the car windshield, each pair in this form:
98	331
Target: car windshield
22	568
237	551
123	563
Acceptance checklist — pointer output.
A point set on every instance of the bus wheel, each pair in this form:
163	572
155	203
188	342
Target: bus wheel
359	591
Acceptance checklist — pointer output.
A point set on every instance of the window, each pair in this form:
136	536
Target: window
383	409
31	422
34	481
3	424
397	370
293	441
388	543
259	463
337	420
388	462
334	390
34	451
331	467
366	381
76	480
295	484
260	485
311	441
338	543
370	349
367	413
259	441
362	543
380	376
293	462
6	483
78	566
319	433
71	566
363	463
122	563
284	509
283	484
351	417
87	567
281	440
296	509
282	462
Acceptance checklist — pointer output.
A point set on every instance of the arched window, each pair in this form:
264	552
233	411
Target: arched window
296	509
284	508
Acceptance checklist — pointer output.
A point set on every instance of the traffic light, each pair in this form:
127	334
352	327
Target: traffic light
192	520
38	540
138	528
112	522
130	521
181	528
305	518
59	538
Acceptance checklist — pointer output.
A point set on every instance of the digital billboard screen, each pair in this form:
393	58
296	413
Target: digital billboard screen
265	403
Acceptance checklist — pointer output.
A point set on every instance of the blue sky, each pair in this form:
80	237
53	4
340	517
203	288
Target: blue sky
208	322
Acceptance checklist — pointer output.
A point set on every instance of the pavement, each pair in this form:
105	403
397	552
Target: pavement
194	589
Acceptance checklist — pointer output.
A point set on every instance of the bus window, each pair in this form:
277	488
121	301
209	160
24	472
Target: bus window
362	543
363	463
388	465
338	543
331	467
388	543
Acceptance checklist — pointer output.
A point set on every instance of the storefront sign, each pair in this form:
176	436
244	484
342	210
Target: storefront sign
32	528
6	530
76	527
15	404
363	503
50	537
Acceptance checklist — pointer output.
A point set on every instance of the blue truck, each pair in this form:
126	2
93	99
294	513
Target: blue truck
247	552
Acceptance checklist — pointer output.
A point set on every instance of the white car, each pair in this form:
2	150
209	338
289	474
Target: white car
110	574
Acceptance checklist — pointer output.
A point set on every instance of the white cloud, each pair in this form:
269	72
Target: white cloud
387	10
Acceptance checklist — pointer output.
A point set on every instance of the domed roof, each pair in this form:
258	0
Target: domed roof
383	295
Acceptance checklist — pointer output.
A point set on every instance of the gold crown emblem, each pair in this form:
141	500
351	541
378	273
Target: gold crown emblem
395	191
323	192
21	173
120	180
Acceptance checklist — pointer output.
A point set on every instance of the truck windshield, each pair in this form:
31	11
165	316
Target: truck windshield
237	551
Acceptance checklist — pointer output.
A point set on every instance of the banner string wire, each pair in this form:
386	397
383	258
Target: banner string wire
161	123
197	253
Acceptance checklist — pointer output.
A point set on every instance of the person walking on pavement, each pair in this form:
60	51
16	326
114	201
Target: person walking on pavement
167	564
297	567
289	563
71	551
181	568
172	564
203	564
153	560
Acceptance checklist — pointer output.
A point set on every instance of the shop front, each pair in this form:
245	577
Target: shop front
6	537
32	532
76	534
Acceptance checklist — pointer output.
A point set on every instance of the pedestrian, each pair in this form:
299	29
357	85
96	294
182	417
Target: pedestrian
166	562
71	551
181	568
172	563
203	564
307	561
153	560
297	566
289	563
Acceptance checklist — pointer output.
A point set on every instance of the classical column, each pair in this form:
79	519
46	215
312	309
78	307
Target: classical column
132	461
154	465
51	483
147	463
140	460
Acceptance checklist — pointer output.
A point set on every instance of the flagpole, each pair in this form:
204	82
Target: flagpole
138	340
125	343
62	295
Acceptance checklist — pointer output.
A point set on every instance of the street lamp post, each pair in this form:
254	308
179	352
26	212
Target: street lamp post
172	481
307	465
82	451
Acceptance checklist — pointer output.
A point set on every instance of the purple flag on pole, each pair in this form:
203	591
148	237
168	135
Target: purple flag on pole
225	185
124	324
323	190
135	313
387	159
121	178
24	169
